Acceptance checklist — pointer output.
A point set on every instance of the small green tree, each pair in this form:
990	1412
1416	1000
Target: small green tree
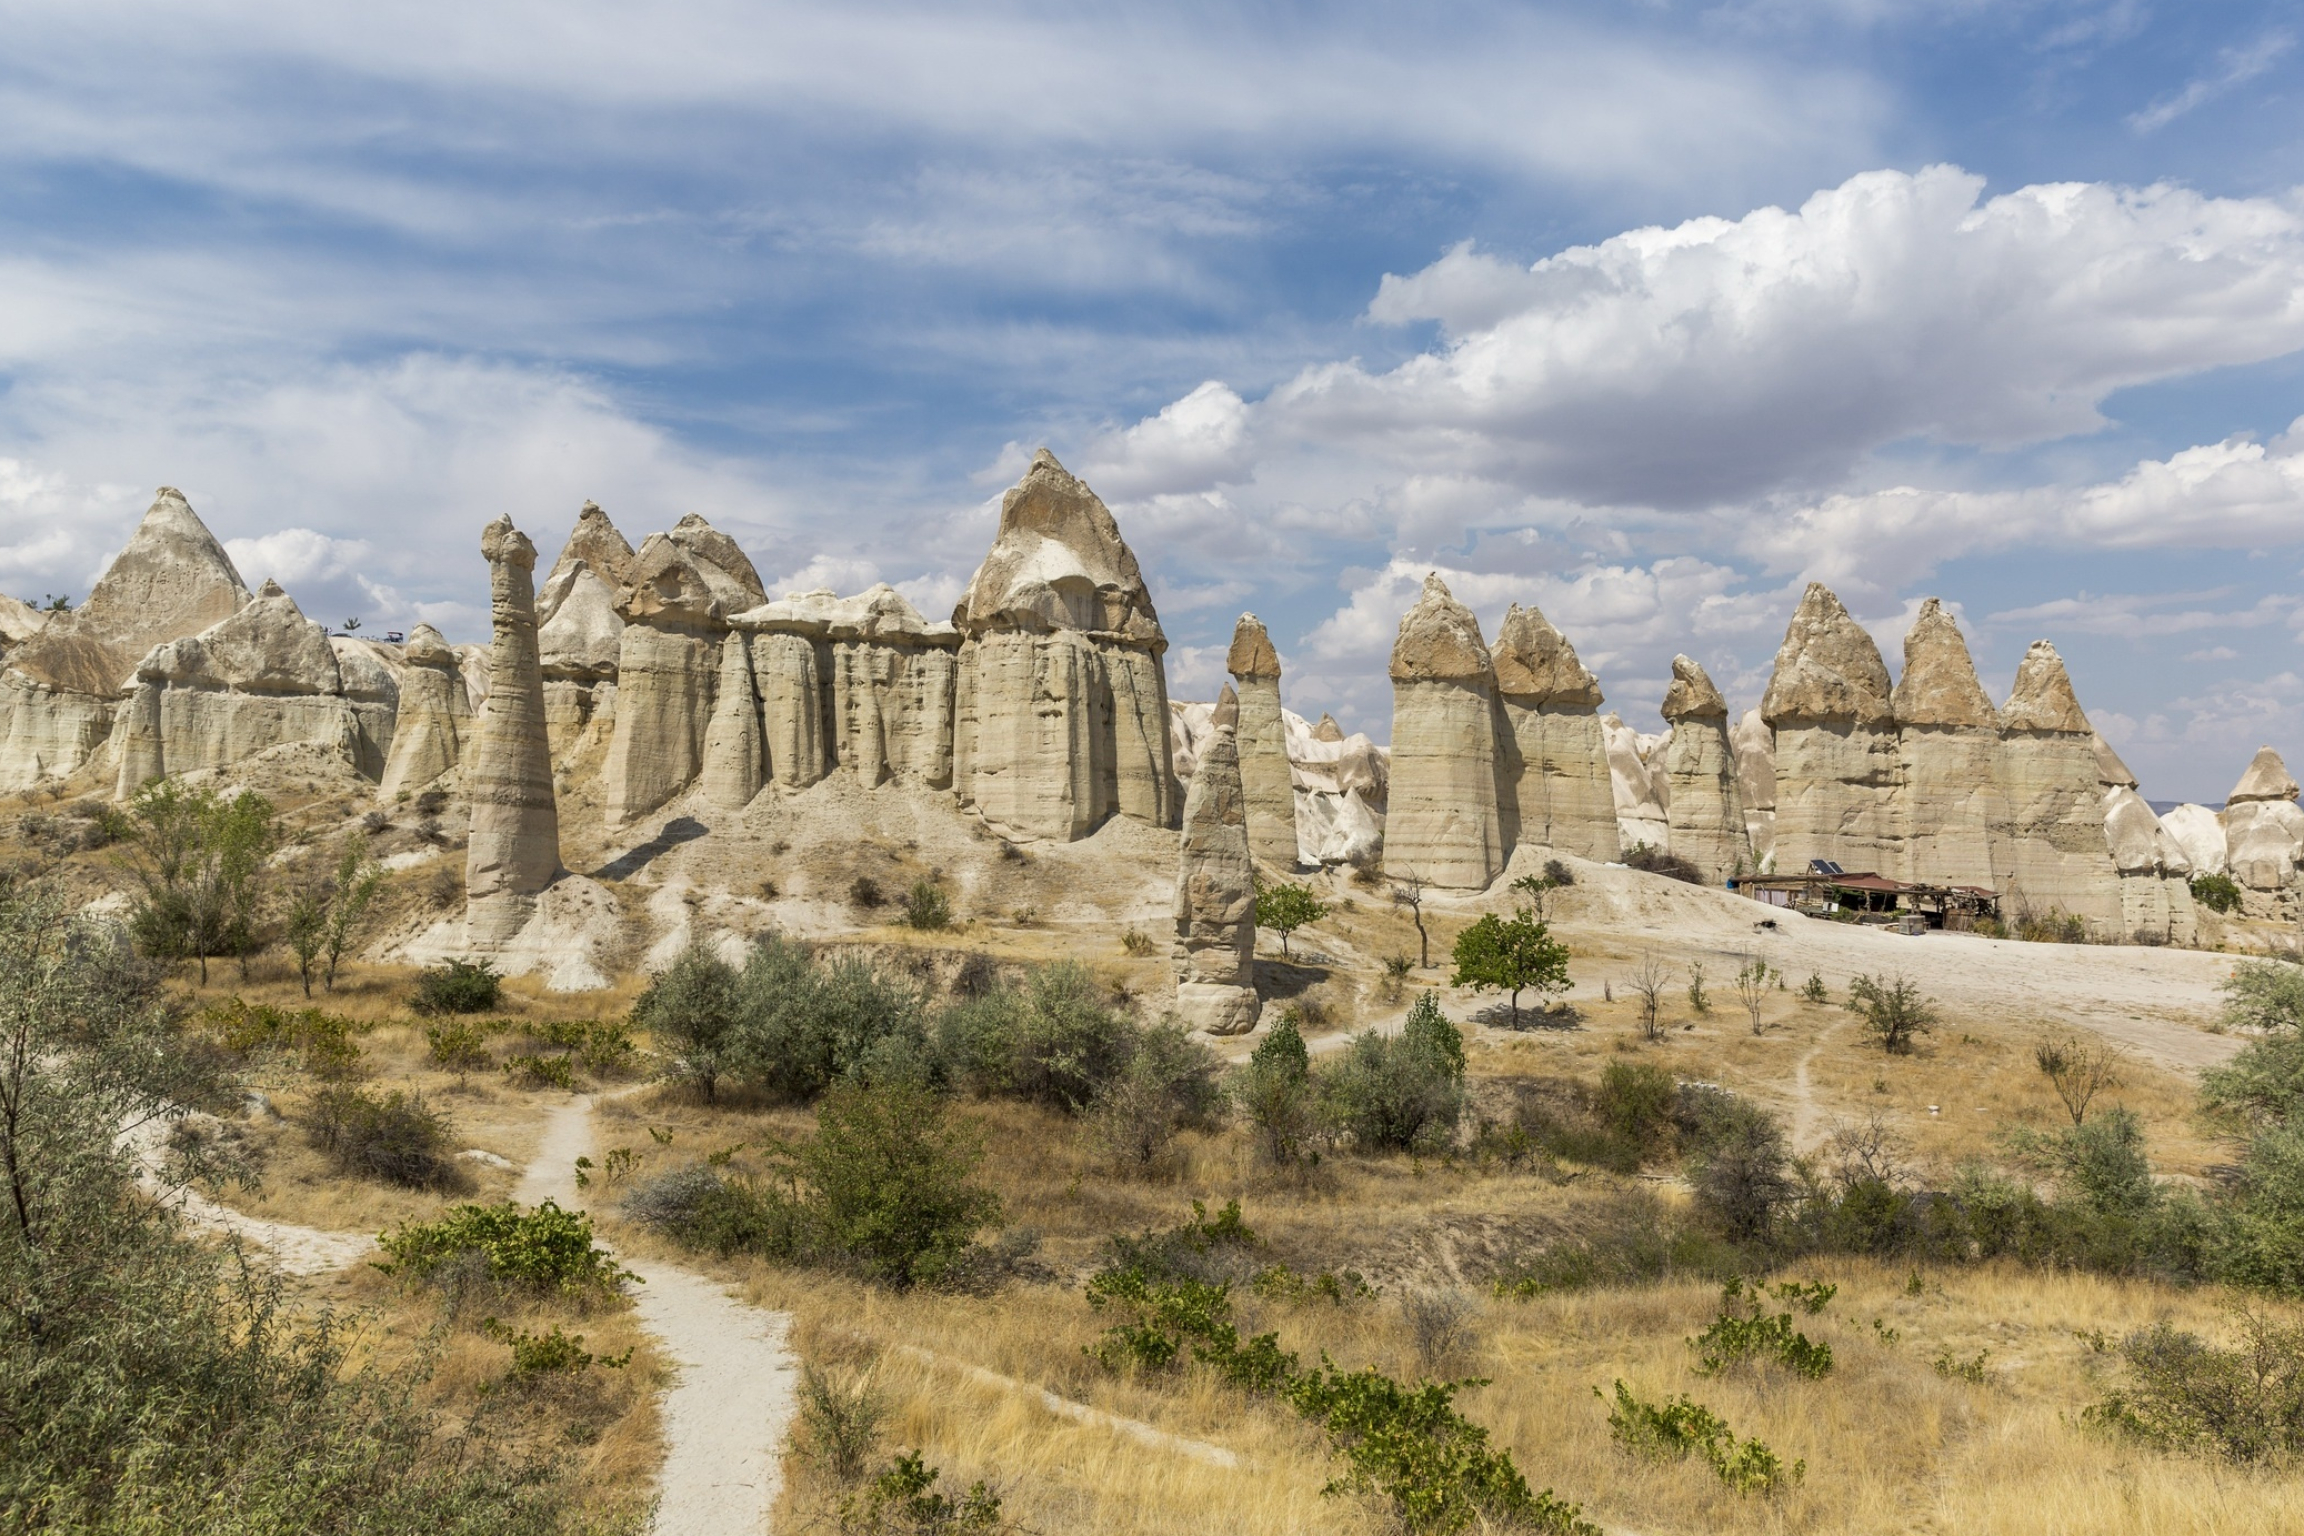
1515	955
324	914
1429	1034
1275	1096
1286	908
1892	1008
201	860
2265	995
888	1178
693	1010
1752	979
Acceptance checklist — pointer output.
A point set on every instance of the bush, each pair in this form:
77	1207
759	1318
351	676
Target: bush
926	907
320	1042
2263	1085
1048	1040
1737	1164
1656	861
458	1046
1404	1093
905	1500
459	986
542	1250
839	1428
1894	1012
395	1137
550	1353
2265	995
1639	1241
1744	1330
888	1178
864	892
1169	1083
704	1208
2218	893
690	1008
1276	1096
1681	1425
2183	1394
1637	1102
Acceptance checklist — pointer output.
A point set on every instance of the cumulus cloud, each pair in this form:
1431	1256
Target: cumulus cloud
1194	444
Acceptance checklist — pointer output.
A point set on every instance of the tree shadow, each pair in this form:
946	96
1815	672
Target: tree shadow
680	829
1285	979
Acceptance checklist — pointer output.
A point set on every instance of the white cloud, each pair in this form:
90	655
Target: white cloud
2213	653
1724	359
2235	66
1194	443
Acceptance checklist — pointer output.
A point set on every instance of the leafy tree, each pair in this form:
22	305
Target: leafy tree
1893	1009
1169	1083
1286	908
1738	1166
888	1177
323	915
1429	1033
1512	954
2218	893
1752	979
1052	1040
2265	995
691	1007
1275	1094
1405	1092
201	860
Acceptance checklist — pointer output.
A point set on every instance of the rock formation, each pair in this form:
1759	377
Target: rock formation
1837	755
19	622
580	634
59	688
1957	825
514	847
1445	824
435	716
262	677
675	605
1553	776
1227	710
1640	817
1704	810
1216	897
2264	834
1755	746
1327	729
1061	714
2199	831
869	665
2058	859
1262	739
2154	873
733	752
1340	787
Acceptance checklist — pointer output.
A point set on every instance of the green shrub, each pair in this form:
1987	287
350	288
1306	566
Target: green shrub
458	1046
544	1249
1673	1429
459	986
1404	1093
1049	1039
1893	1010
537	1069
691	1010
1169	1083
2183	1394
888	1180
839	1423
2265	995
1637	1102
321	1043
1275	1095
1737	1164
2263	1085
550	1353
904	1500
1744	1330
2218	893
1640	1242
395	1137
926	907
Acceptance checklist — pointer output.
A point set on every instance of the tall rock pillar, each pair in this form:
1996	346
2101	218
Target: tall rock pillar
1554	779
1837	766
1216	897
1704	809
1262	739
2059	861
2264	835
1445	825
1755	746
1957	821
514	849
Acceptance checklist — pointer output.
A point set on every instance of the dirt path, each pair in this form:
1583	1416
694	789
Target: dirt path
726	1416
1805	1112
294	1250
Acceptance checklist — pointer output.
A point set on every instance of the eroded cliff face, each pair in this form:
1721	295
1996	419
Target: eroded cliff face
1838	762
2059	860
1957	824
1755	746
1061	711
1445	826
1553	778
61	685
860	684
1262	738
436	724
580	633
1704	806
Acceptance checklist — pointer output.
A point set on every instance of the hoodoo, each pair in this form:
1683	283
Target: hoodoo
1554	774
435	725
1262	738
1061	715
2058	857
1638	797
579	634
514	847
1216	897
1755	746
1956	824
1837	765
1444	825
2264	833
1704	812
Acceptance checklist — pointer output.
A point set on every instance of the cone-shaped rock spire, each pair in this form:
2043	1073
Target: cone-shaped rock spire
1553	776
1262	738
1704	809
1216	897
1837	768
1445	825
514	848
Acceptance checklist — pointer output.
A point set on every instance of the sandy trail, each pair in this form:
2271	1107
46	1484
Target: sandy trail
727	1413
293	1250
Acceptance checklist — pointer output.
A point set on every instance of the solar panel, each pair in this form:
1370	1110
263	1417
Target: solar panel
1824	867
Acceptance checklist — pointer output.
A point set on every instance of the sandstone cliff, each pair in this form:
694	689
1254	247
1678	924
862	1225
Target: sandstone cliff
435	720
59	689
1957	824
1216	898
1553	775
861	683
1640	815
1704	810
2264	834
514	847
2058	858
1445	824
1262	738
1837	755
1755	746
579	633
1061	700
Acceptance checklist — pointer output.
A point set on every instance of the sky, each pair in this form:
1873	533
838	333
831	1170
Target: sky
1645	313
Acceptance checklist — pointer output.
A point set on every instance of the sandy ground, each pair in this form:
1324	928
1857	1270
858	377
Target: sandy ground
294	1250
726	1417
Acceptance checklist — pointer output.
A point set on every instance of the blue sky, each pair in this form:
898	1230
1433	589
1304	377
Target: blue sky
1998	302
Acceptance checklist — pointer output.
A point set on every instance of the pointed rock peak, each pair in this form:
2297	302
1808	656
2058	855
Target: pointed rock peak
1059	563
2110	770
1227	711
19	620
721	552
1252	656
1692	696
2042	699
271	589
427	647
595	542
1939	685
2266	779
1327	729
500	543
171	581
1440	641
1827	669
670	586
1535	661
